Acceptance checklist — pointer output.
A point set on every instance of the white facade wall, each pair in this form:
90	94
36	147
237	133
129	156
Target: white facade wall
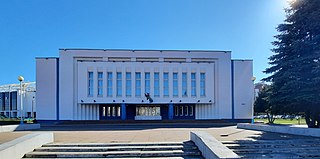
243	89
74	65
46	85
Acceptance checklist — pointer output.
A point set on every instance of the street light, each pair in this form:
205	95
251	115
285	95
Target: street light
21	79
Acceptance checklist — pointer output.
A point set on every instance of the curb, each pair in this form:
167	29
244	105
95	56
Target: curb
10	128
210	147
314	132
16	149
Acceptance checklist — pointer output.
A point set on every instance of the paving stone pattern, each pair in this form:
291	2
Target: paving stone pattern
290	148
174	150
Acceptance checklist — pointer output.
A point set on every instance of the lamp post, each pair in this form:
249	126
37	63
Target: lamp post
21	79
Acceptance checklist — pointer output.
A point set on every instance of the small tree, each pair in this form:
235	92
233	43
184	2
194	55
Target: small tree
263	105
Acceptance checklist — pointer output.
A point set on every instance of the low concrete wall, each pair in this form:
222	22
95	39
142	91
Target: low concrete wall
315	132
210	147
16	149
9	128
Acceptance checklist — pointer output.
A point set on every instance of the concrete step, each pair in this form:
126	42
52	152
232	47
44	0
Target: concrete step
112	154
159	150
290	141
255	146
184	157
267	156
114	148
282	155
118	144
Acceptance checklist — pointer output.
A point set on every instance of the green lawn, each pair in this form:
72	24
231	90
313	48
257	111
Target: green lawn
285	121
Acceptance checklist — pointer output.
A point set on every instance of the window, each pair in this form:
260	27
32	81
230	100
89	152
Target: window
138	84
13	98
119	84
109	111
156	84
100	83
90	84
191	110
176	110
148	111
175	84
186	110
118	111
128	84
113	111
103	111
202	84
147	82
165	84
14	114
181	110
193	84
109	84
184	85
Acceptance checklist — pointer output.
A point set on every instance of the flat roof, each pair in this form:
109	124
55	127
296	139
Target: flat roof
241	59
66	49
47	57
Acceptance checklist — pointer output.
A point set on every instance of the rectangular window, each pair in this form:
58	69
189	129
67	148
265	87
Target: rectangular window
193	85
191	110
119	84
118	111
100	83
156	84
109	111
103	111
184	84
113	111
181	111
175	84
176	110
90	84
13	97
109	84
147	82
138	84
202	84
128	84
165	84
186	113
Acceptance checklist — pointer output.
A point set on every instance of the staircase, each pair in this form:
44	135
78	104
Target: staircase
176	150
284	149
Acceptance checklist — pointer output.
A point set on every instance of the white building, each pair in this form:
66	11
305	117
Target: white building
10	99
98	84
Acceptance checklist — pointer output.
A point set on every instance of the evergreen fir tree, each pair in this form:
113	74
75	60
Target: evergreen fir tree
296	61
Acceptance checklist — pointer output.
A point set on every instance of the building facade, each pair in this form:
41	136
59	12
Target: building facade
98	84
10	100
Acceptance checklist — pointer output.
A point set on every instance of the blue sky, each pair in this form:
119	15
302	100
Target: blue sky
38	28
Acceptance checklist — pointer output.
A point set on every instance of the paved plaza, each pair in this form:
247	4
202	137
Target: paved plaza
144	133
246	143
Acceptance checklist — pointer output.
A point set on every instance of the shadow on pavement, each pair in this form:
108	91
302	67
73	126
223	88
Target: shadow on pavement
131	126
